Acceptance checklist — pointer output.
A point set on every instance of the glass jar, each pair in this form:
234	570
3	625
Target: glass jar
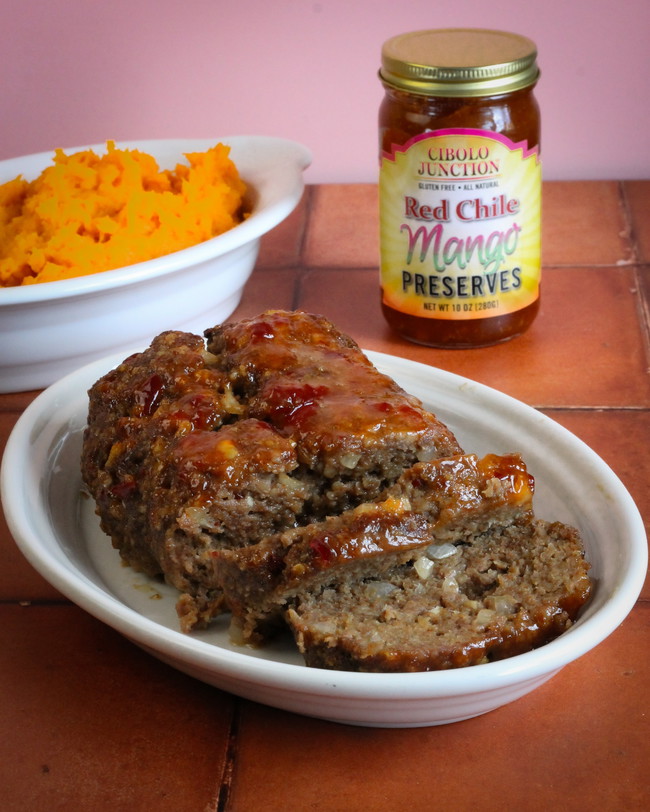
459	186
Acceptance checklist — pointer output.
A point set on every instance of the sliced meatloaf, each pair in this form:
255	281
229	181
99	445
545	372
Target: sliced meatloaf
212	490
135	411
277	473
355	429
509	590
448	501
189	450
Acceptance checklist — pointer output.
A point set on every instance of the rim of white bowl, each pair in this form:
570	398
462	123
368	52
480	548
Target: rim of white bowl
265	216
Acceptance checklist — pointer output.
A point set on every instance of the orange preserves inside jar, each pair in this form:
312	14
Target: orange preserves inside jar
460	186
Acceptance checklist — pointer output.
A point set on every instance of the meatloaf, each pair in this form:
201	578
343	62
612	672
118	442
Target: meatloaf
447	501
355	429
135	411
270	470
500	593
278	422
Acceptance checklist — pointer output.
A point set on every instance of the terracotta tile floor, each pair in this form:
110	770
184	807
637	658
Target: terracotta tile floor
538	753
89	721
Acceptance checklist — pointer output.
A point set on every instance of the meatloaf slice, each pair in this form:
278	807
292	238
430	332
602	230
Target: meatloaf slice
212	490
444	502
135	411
510	590
355	429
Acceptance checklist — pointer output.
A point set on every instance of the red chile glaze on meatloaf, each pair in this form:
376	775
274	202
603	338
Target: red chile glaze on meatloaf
135	411
190	450
510	590
355	429
213	490
447	501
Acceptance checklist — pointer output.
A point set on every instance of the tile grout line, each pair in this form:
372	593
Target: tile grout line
300	268
26	603
643	305
301	275
569	408
309	194
629	231
227	776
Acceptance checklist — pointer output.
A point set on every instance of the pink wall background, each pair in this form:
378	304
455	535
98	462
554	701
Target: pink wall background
74	72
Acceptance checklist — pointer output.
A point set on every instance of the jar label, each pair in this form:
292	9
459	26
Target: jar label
460	213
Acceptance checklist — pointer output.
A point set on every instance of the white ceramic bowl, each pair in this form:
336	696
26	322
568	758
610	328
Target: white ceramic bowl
58	532
49	329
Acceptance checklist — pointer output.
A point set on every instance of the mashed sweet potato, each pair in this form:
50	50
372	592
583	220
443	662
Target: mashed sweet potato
88	213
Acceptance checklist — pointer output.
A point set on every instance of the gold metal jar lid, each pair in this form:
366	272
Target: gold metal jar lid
459	62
